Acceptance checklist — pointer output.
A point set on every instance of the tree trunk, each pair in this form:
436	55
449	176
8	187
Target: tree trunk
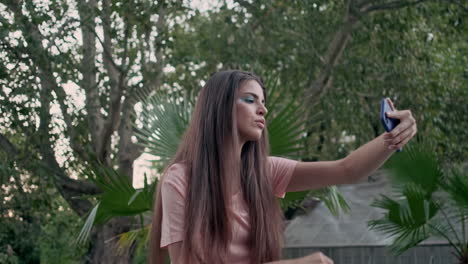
104	247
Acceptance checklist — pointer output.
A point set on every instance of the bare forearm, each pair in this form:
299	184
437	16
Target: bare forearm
366	159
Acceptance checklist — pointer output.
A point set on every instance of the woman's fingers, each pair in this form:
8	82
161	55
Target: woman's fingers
407	134
402	143
391	104
402	133
406	121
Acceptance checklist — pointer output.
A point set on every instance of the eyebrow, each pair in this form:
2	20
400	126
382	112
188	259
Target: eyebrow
254	95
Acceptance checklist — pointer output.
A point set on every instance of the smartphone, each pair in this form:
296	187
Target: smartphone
388	123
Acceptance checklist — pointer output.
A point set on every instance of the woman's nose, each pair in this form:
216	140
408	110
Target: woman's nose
262	110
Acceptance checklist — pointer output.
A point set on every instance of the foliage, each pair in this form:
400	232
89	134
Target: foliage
57	235
161	124
430	202
68	77
37	225
414	55
118	198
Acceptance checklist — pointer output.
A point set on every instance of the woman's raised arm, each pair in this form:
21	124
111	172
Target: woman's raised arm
360	163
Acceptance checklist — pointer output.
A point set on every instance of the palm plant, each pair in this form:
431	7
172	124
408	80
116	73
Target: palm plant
160	126
430	202
118	198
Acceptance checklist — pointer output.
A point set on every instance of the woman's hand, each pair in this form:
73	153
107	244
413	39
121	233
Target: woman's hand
403	132
316	258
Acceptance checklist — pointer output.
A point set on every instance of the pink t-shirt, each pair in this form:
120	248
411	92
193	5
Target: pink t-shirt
173	193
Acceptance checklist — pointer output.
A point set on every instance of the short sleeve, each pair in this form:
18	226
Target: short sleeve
173	193
281	172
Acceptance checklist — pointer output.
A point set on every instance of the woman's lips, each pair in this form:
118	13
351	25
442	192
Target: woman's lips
260	124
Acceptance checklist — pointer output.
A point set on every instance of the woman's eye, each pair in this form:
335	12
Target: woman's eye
249	100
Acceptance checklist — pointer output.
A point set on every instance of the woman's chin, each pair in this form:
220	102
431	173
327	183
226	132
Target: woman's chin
256	137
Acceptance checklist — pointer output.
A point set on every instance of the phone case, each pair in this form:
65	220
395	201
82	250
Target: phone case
388	123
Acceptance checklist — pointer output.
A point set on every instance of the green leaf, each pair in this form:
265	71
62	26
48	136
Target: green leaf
331	196
457	187
335	202
417	165
138	237
163	121
409	219
118	198
86	230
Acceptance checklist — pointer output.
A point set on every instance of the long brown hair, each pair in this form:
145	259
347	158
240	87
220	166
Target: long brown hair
208	151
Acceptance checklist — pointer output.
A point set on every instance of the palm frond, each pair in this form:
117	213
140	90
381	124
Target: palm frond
457	187
137	237
407	220
334	201
88	225
119	197
287	130
331	197
443	229
117	194
162	122
418	165
293	200
424	209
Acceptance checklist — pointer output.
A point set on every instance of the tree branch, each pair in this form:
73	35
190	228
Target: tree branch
40	58
320	85
116	76
7	146
60	32
464	8
128	151
88	70
153	72
75	145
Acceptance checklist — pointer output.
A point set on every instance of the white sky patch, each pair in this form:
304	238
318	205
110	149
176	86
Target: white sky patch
141	166
76	95
205	5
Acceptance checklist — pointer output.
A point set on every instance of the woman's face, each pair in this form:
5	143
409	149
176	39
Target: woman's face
251	111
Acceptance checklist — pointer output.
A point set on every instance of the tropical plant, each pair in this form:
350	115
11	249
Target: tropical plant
430	202
118	198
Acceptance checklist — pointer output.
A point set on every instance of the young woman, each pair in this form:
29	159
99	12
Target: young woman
217	200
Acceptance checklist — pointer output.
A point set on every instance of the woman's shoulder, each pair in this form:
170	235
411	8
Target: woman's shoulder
279	161
279	166
176	174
